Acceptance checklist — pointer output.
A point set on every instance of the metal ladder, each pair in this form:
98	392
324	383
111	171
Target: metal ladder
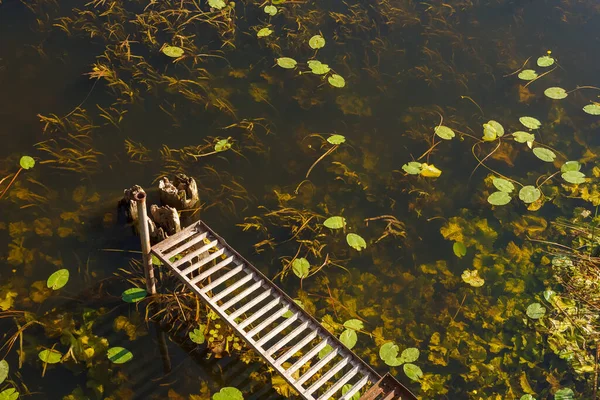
286	336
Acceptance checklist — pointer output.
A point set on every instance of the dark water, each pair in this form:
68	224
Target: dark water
404	64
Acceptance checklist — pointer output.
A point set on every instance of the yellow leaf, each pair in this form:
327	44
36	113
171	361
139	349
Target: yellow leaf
525	384
430	171
7	299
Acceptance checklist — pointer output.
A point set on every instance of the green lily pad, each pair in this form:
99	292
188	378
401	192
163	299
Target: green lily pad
523	137
444	132
349	338
26	162
324	351
336	139
413	168
317	67
556	93
4	369
528	75
356	241
119	355
337	81
197	335
592	109
58	279
503	185
544	154
9	394
316	42
574	177
354	324
412	371
133	295
490	131
564	394
264	32
536	311
173	51
459	249
499	198
410	355
472	277
228	393
497	127
287	62
346	388
222	145
335	222
570	166
50	356
301	267
530	122
528	194
218	4
388	352
271	10
545	61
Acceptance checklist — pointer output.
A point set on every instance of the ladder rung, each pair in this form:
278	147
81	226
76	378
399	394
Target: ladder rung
390	395
354	389
266	322
328	375
195	253
315	368
305	358
185	246
203	262
338	385
232	287
276	330
174	240
240	296
259	312
212	270
287	338
296	347
218	281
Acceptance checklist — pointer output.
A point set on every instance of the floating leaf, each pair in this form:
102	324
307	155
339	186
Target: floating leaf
349	338
592	109
173	51
413	168
58	279
545	61
222	145
218	4
336	139
459	249
430	171
286	62
119	355
530	122
335	222
574	177
9	394
499	198
544	154
528	75
197	335
336	81
270	9
26	162
472	277
503	185
489	133
264	32
316	42
536	311
354	324
356	242
346	388
4	368
556	93
564	394
444	132
301	266
549	294
412	371
50	356
317	67
410	355
497	127
523	137
529	194
228	393
134	295
326	350
570	166
388	352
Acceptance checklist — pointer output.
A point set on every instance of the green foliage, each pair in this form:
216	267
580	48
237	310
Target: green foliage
556	93
222	145
472	278
527	75
530	122
499	198
316	42
119	355
336	80
412	371
503	185
536	311
592	109
286	62
444	132
349	338
354	324
318	68
9	394
264	32
529	194
58	279
197	335
459	249
545	61
270	9
413	168
346	388
356	241
228	393
301	267
27	162
173	51
218	4
574	177
335	222
564	394
4	369
523	137
336	139
50	356
133	295
544	154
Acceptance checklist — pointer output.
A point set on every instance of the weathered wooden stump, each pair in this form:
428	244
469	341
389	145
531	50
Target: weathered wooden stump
181	194
166	218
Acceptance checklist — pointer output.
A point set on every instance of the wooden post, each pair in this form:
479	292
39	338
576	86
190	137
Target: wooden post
140	198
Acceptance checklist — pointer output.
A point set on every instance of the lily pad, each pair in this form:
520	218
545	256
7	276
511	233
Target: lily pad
218	4
570	166
317	67
444	132
544	154
528	75
346	388
173	51
324	351
528	194
4	368
50	356
356	241
228	393
592	109
337	81
497	127
335	222
388	352
119	355
574	177
301	267
287	62
459	249
472	277
336	139
536	311
556	93
413	168
530	122
523	137
564	394
545	61
270	9
499	198
222	145
410	355
316	42
354	324
349	338
9	394
133	295
264	32
430	171
412	371
503	185
197	335
26	162
58	279
489	133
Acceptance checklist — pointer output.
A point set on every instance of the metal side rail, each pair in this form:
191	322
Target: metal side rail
307	356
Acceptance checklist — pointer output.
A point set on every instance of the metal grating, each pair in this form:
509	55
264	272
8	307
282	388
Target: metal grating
286	336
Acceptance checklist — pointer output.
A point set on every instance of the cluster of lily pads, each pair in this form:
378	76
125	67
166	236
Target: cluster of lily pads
388	352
